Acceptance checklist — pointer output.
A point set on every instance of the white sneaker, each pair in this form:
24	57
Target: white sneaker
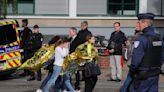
77	90
65	91
39	90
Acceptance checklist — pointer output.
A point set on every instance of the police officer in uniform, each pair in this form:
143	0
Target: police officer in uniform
23	35
147	57
34	42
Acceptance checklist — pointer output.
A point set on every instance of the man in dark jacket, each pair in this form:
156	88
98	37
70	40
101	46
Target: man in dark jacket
80	39
23	35
34	42
73	35
116	41
81	36
25	32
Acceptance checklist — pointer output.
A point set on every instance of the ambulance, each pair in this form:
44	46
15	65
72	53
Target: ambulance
10	56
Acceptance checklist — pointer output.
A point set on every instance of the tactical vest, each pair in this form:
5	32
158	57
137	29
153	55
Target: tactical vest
152	52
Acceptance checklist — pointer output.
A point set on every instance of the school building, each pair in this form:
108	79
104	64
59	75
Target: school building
56	16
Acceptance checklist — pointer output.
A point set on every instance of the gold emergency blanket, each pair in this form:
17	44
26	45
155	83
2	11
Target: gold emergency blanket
84	52
40	57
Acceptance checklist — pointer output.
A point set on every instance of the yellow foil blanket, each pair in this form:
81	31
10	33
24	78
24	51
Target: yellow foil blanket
84	52
40	57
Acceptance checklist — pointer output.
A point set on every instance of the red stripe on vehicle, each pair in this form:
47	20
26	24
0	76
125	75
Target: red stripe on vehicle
15	62
10	64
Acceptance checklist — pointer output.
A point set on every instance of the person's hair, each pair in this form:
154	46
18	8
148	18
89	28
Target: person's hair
54	39
61	41
84	22
35	26
88	37
25	21
117	23
148	21
137	22
74	29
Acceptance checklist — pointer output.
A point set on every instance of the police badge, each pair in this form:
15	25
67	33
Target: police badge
136	44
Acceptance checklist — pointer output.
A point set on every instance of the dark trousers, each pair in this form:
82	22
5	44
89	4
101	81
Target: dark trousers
148	85
77	81
77	77
39	75
27	55
90	83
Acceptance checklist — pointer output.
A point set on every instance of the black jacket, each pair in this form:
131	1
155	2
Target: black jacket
80	39
72	45
24	35
34	42
116	41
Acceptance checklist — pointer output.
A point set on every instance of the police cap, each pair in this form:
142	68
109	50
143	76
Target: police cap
146	16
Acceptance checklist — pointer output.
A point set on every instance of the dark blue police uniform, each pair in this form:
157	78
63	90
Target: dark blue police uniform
147	58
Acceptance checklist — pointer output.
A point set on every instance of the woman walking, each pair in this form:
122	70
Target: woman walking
61	51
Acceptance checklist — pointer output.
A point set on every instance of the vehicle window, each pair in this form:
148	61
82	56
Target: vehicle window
7	34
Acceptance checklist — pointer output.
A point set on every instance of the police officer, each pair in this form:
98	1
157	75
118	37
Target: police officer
34	42
25	33
147	57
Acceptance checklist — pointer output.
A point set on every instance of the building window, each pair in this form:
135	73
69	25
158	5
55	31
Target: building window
25	6
122	7
92	7
11	7
19	7
162	8
52	7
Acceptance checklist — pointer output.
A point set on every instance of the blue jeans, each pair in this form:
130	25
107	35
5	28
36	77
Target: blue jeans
64	82
44	82
58	84
67	82
52	80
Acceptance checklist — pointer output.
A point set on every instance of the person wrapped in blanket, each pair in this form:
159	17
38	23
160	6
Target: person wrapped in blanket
83	54
61	51
39	58
48	65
